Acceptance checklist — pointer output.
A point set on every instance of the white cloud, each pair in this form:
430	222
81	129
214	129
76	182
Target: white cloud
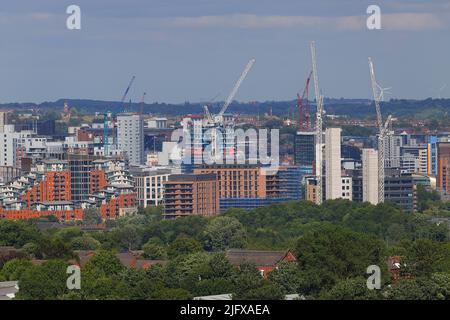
413	21
390	21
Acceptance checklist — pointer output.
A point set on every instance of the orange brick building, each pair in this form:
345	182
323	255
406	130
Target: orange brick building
111	210
246	181
191	194
76	214
236	181
54	187
97	181
443	167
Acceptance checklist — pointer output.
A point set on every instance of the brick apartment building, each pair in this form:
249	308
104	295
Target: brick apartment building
48	190
248	186
443	167
191	194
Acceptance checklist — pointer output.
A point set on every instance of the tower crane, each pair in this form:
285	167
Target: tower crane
383	130
107	114
319	125
141	111
303	106
218	119
127	90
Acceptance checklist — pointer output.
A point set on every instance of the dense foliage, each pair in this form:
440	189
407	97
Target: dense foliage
334	245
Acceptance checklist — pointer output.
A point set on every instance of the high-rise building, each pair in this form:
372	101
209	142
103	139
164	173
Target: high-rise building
3	120
414	159
130	137
191	194
248	187
392	146
370	175
8	146
333	179
432	155
148	183
443	168
347	188
80	167
304	149
400	189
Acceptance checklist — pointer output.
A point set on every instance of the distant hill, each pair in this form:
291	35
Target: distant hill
362	108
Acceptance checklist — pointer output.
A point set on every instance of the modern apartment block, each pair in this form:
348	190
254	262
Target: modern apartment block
347	188
191	194
393	143
443	168
130	137
304	149
3	120
414	159
249	187
55	185
370	175
149	186
333	179
8	146
432	155
400	189
80	166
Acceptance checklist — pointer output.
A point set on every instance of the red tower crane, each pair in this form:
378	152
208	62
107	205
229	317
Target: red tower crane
303	107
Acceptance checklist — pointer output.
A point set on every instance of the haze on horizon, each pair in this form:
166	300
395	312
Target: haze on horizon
191	50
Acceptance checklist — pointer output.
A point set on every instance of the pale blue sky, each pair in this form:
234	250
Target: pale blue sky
191	50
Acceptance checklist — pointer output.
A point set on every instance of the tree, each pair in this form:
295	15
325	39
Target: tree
426	199
183	245
126	237
425	257
54	248
102	278
13	269
288	277
154	251
44	282
31	249
103	263
17	233
185	271
351	289
250	285
103	288
67	234
92	216
139	286
225	232
85	242
331	253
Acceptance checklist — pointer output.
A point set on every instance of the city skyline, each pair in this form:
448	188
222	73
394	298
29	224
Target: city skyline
190	52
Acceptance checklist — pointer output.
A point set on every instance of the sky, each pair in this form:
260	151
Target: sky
192	50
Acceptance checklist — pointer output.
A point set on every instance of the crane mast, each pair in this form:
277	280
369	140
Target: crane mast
141	110
319	126
128	89
382	131
219	117
303	107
